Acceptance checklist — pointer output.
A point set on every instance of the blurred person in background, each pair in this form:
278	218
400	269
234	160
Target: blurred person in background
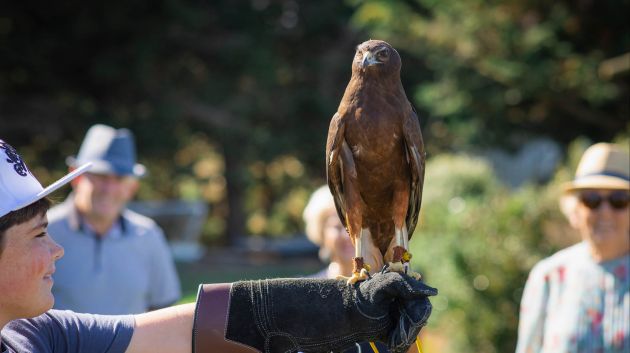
324	228
117	261
578	300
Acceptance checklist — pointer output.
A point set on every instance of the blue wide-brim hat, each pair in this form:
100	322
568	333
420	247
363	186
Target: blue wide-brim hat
111	151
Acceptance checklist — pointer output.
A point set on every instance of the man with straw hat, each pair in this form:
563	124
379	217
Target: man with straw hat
282	315
578	300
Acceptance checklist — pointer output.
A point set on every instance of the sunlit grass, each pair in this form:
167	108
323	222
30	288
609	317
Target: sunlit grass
191	275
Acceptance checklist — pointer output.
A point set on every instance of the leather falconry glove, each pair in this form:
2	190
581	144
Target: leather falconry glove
310	315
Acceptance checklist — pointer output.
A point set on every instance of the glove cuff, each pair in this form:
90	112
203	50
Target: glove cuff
211	317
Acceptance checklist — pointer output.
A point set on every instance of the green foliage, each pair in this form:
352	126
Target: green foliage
486	73
476	243
255	81
258	81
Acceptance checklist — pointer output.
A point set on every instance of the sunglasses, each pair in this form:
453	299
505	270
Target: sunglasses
618	200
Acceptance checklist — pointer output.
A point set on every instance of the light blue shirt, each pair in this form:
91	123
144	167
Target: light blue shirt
127	271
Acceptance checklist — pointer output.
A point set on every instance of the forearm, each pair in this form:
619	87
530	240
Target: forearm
166	330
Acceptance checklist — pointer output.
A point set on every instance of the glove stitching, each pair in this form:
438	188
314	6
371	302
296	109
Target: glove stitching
356	304
338	338
270	319
295	344
271	312
383	324
427	312
409	287
257	301
260	310
227	320
342	341
404	334
358	300
266	314
264	307
354	337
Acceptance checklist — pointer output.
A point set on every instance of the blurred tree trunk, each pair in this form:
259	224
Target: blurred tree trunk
230	132
236	219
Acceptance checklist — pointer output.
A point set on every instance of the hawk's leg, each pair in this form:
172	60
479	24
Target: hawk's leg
399	254
366	254
360	270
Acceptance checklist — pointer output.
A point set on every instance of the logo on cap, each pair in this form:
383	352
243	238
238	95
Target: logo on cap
14	158
18	186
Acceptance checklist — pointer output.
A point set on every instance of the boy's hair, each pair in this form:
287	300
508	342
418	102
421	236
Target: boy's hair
22	215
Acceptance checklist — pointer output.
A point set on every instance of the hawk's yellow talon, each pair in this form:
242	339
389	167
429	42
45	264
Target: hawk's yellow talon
356	277
406	256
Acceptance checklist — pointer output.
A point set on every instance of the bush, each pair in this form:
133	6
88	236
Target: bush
476	242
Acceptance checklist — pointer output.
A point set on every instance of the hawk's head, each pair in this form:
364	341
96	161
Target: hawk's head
376	56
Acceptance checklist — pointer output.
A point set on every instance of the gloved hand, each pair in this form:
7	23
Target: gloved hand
324	315
412	316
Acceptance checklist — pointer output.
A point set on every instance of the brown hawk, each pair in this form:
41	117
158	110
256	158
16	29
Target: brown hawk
375	161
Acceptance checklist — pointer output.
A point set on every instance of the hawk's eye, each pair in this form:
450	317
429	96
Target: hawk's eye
383	54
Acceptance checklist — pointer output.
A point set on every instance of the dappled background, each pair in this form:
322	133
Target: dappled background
230	102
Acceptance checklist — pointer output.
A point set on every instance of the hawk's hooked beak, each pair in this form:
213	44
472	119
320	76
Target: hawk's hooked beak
368	59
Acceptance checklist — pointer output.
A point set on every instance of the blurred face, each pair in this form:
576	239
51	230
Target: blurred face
603	219
336	239
26	267
104	196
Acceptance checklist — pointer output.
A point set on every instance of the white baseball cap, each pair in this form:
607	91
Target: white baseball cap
18	186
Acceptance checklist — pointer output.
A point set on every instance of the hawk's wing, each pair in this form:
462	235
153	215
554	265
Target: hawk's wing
416	158
334	164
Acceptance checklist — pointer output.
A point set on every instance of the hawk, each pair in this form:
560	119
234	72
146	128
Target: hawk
375	161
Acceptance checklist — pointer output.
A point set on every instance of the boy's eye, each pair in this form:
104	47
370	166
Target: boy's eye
42	234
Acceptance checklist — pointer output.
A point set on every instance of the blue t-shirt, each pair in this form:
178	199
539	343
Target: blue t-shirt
65	331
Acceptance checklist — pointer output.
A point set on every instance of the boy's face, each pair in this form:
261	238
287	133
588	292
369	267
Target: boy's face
26	267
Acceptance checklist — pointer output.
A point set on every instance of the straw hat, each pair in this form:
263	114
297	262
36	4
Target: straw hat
603	166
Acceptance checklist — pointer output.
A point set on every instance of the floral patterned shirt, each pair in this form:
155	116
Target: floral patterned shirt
573	304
